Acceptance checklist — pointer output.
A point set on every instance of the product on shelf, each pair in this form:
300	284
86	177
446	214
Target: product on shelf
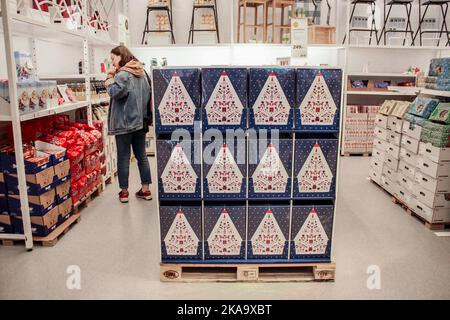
441	113
24	65
423	107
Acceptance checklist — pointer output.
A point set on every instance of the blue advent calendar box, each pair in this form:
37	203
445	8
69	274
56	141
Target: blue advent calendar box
423	107
225	170
271	98
318	99
268	232
181	233
315	168
224	98
177	99
270	169
179	169
311	233
225	232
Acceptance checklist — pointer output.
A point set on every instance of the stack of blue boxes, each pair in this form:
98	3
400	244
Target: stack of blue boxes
247	163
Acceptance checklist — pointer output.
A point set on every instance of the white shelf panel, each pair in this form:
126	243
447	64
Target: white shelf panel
98	76
436	93
61	76
412	90
56	110
5	113
101	100
380	93
398	47
391	75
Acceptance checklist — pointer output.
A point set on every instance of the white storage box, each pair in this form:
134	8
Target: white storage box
380	144
393	150
375	175
405	168
409	157
389	185
380	133
434	153
376	164
438	185
395	124
394	137
379	154
431	215
432	168
381	121
389	173
413	131
410	144
431	199
391	162
406	197
406	183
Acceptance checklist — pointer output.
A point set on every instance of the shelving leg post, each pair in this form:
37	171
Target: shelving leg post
145	27
239	23
216	17
15	116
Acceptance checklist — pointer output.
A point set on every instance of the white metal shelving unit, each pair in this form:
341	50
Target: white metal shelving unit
17	25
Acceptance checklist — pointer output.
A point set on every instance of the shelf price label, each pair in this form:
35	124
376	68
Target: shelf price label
299	37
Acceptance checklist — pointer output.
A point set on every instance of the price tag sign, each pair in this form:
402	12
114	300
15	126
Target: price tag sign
299	37
124	30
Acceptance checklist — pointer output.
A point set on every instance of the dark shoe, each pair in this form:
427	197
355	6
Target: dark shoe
144	195
123	196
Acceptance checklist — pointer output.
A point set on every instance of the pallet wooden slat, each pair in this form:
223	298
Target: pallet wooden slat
292	272
84	202
357	154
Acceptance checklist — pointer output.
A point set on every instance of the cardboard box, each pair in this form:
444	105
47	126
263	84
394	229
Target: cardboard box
62	190
405	168
391	162
39	205
433	169
408	157
6	225
432	215
411	130
65	208
3	204
395	124
37	184
62	169
394	137
380	133
381	121
379	154
389	185
57	154
380	144
8	162
389	173
406	183
431	199
434	153
436	185
410	144
40	226
393	150
375	175
376	164
405	196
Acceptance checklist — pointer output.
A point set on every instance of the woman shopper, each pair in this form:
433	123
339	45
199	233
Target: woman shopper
129	117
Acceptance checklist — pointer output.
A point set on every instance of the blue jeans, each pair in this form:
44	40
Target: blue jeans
124	143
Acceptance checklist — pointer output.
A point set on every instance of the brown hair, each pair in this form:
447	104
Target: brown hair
125	54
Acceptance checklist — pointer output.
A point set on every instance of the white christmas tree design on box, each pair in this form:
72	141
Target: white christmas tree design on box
181	239
224	175
176	107
312	238
224	239
271	106
178	175
270	174
224	105
316	175
268	238
318	107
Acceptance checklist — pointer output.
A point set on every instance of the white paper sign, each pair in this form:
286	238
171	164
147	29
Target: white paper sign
124	30
299	37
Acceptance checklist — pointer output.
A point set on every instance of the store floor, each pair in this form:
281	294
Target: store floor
116	247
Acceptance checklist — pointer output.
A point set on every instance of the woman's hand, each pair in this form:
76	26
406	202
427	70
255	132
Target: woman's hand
112	71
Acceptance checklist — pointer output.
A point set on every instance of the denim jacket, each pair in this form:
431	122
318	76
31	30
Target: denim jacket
129	103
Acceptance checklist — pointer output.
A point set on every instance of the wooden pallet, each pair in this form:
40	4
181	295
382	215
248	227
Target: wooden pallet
52	238
358	154
110	179
436	226
292	272
84	202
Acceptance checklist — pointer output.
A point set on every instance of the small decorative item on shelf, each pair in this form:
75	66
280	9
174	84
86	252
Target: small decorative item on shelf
158	3
441	113
162	22
203	2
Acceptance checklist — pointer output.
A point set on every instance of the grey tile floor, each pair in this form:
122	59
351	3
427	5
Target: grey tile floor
116	247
